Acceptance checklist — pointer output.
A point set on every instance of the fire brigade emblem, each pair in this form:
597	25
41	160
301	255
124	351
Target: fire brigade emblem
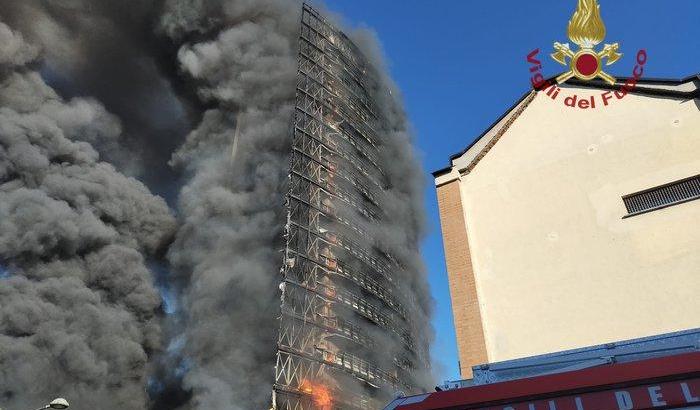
587	30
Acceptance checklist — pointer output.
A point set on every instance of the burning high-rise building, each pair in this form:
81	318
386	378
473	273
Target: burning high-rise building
347	339
110	293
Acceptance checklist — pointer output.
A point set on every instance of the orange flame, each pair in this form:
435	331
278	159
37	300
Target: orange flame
320	394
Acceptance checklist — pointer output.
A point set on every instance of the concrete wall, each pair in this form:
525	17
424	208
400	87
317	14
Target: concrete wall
555	264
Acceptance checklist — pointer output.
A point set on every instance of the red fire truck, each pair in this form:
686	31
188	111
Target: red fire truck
661	372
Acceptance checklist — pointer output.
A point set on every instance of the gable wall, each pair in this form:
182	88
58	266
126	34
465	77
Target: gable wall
555	264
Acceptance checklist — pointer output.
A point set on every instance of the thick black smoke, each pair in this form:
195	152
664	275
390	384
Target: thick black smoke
195	99
233	204
403	220
78	314
112	51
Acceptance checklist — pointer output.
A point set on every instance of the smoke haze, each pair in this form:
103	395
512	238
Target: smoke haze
79	309
232	207
110	111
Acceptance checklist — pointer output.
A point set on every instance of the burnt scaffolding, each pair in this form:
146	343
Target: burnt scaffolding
338	293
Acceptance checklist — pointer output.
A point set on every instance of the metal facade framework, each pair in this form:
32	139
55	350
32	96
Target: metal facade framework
338	293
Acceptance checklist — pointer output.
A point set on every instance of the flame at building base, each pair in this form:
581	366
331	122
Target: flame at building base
320	394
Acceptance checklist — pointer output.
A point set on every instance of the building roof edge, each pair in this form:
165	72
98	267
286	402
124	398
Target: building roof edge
653	92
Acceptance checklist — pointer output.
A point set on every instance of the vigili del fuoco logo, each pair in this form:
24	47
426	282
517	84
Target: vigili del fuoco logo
586	30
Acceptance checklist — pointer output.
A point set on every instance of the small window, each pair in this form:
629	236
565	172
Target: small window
663	196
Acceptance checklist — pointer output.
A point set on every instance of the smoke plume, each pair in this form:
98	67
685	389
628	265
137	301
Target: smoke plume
78	313
232	206
102	103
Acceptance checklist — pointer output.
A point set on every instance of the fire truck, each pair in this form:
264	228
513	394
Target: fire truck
660	372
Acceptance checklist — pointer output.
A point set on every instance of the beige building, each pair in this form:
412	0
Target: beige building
568	227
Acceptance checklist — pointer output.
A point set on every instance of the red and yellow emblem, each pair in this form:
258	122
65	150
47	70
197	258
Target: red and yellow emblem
587	30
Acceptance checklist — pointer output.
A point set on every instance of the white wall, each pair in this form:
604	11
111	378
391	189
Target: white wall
556	266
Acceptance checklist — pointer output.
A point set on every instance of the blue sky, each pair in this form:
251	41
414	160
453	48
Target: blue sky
461	64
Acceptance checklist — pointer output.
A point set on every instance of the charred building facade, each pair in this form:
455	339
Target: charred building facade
346	337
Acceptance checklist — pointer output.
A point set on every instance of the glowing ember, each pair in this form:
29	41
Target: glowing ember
320	394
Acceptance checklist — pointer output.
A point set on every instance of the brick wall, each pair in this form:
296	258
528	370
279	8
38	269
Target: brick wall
465	306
